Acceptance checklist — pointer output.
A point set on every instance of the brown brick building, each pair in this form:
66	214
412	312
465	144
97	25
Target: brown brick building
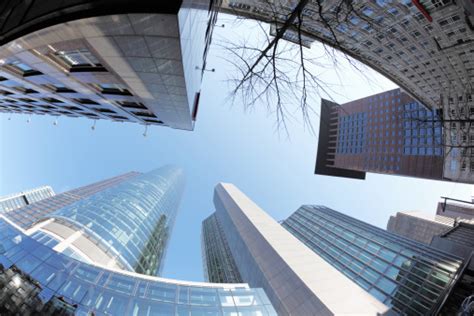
388	133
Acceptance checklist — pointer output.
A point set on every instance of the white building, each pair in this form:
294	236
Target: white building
142	67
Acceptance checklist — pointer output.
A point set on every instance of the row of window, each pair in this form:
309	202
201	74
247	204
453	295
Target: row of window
77	60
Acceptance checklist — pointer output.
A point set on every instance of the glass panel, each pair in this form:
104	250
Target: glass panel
162	292
203	296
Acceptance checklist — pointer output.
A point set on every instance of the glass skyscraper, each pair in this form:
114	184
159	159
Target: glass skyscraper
19	200
26	216
126	225
218	264
405	275
80	255
265	255
36	280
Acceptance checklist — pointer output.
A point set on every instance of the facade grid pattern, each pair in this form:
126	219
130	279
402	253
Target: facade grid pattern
131	220
27	216
405	275
37	280
219	265
16	201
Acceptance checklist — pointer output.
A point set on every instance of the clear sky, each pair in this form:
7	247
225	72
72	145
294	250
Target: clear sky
227	145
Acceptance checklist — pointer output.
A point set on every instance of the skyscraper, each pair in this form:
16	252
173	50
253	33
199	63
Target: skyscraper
422	46
81	255
388	133
25	217
24	198
126	61
339	259
125	226
407	276
37	280
419	226
218	263
296	280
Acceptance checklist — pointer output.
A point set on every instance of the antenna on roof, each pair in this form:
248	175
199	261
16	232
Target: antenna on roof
146	130
93	125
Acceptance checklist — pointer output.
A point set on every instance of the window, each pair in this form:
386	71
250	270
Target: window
25	90
58	87
78	57
131	105
103	110
51	100
79	60
85	101
112	88
22	68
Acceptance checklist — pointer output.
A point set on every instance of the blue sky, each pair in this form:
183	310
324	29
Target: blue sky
228	145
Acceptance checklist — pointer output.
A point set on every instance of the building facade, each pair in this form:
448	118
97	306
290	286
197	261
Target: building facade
419	226
296	280
37	280
422	46
407	276
26	217
454	208
218	263
22	199
125	61
425	47
387	133
125	226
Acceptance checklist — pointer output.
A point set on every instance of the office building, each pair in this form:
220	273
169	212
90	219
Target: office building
455	208
24	198
124	226
81	253
37	280
407	276
387	133
422	227
419	226
126	61
297	280
459	241
218	263
425	47
26	217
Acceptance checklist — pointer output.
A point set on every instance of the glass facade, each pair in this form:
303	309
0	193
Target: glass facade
405	275
16	201
36	280
422	132
28	215
132	220
352	134
219	265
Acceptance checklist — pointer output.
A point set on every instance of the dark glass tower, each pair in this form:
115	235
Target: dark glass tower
219	265
405	275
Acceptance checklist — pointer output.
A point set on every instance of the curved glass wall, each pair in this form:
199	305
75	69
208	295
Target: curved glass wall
36	280
405	275
131	221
